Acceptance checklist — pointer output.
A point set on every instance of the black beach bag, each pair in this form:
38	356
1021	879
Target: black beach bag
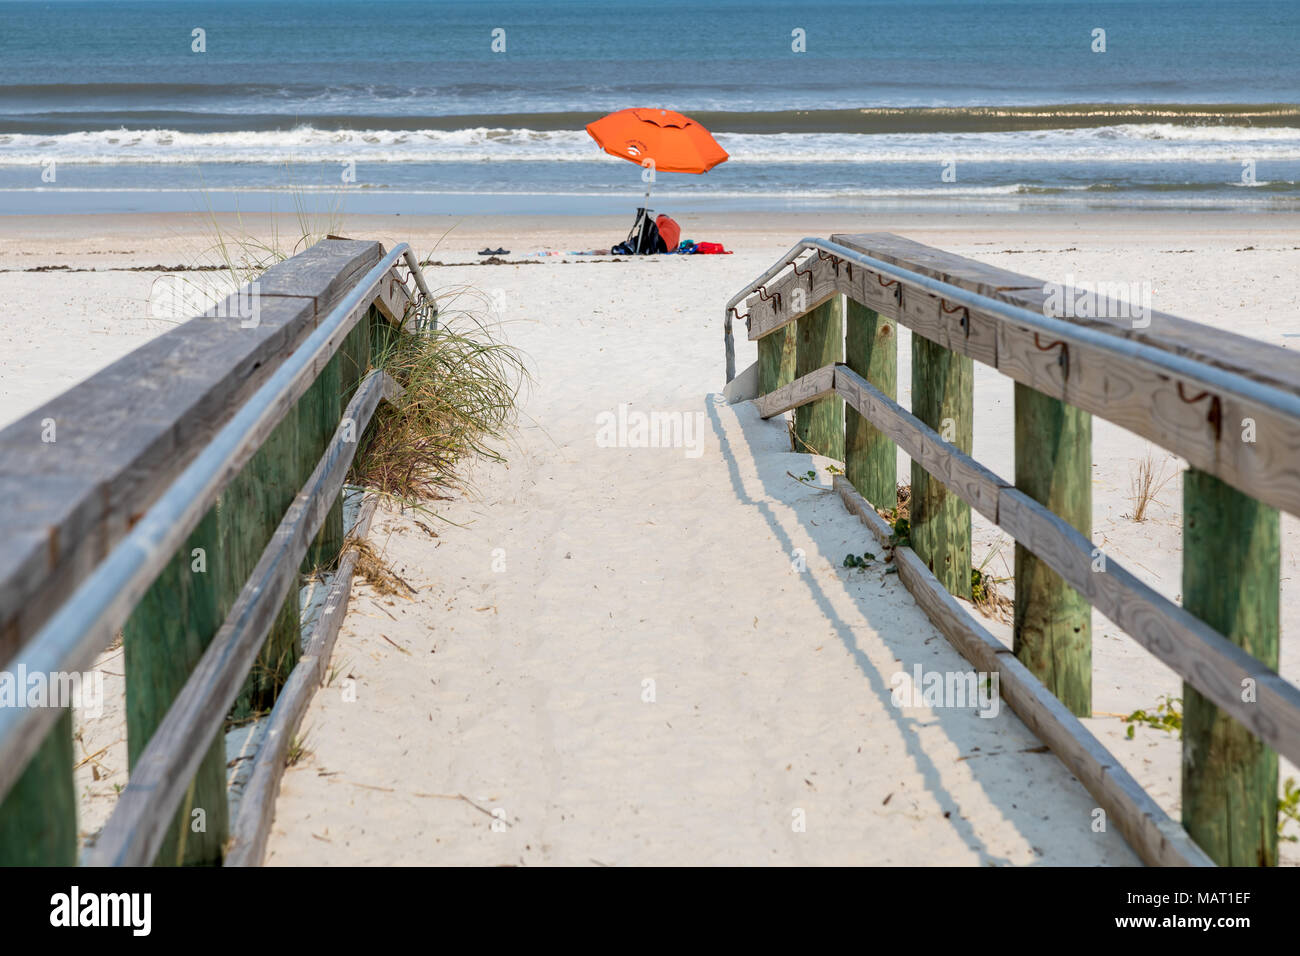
644	239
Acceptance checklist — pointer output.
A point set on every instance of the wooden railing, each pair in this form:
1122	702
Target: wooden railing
824	317
175	498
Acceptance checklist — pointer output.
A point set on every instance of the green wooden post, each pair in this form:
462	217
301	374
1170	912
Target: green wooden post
355	354
870	457
819	341
383	338
162	642
355	363
380	337
942	397
38	817
251	508
256	502
776	360
789	348
1231	571
321	410
1053	622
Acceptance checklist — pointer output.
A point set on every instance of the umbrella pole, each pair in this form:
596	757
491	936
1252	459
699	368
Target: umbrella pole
645	208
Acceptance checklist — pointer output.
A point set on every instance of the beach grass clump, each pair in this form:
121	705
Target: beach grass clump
986	591
297	751
235	256
460	380
1145	484
987	596
244	255
460	386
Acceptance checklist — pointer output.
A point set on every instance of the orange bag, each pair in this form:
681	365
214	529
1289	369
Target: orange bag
669	231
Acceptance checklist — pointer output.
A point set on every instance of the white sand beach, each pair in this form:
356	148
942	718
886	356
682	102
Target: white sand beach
612	655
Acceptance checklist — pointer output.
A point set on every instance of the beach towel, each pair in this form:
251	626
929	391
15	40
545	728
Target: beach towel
689	247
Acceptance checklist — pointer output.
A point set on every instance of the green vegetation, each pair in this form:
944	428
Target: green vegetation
1288	809
902	533
460	386
1166	716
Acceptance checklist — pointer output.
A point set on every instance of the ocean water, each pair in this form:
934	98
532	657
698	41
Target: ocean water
415	106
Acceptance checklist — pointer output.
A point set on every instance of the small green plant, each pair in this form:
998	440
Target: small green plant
1166	717
335	671
1288	810
902	533
858	560
297	750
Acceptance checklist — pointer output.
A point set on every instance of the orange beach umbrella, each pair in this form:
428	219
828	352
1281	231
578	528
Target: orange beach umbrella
662	139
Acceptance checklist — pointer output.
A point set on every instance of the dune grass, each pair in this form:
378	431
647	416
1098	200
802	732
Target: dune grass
1146	483
237	255
461	383
460	380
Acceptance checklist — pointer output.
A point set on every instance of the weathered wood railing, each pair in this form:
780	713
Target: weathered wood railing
824	318
175	497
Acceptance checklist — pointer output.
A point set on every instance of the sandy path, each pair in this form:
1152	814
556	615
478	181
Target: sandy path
521	691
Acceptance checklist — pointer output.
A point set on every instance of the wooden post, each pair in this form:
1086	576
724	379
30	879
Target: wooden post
819	341
251	508
942	397
355	353
870	457
162	641
384	336
38	817
776	360
1231	569
321	408
1053	622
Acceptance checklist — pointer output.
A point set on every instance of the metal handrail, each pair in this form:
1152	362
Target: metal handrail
86	622
413	265
1284	402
